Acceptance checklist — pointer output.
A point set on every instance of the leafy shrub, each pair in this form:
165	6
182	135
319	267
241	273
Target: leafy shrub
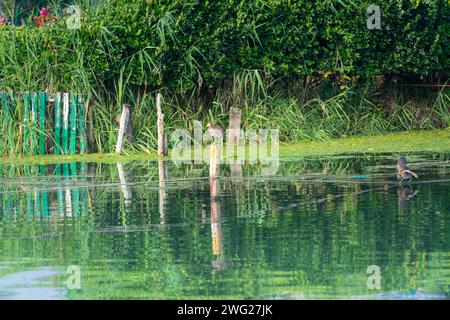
182	44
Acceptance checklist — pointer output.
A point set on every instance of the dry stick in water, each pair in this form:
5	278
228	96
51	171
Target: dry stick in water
122	127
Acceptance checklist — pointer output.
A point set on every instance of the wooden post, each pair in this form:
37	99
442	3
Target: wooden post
166	145
57	100
214	169
234	126
236	171
90	124
65	133
42	109
162	140
26	122
234	139
82	106
73	124
122	127
34	117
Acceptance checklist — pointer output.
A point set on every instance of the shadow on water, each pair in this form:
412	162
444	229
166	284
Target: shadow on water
154	230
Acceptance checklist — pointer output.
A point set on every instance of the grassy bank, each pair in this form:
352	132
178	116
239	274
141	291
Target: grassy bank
427	141
317	113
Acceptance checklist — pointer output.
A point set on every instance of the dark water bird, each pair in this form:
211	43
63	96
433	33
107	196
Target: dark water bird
215	131
402	171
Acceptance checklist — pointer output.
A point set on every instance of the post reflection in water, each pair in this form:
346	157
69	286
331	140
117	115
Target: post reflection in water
219	262
163	176
124	186
48	191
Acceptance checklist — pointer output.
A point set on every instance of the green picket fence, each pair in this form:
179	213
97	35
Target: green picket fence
59	118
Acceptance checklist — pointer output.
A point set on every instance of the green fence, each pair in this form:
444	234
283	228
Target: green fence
49	123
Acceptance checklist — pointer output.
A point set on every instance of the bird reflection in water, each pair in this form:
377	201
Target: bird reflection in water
405	194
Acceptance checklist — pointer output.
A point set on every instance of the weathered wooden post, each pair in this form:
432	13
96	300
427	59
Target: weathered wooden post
73	124
58	101
162	139
234	139
90	124
26	122
34	118
42	109
234	126
122	127
65	131
82	105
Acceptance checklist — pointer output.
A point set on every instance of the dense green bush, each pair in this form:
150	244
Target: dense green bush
180	44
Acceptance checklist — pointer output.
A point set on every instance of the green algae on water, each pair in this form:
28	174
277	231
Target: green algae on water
431	141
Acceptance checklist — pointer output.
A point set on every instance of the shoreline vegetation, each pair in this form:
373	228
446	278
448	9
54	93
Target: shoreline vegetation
298	67
404	142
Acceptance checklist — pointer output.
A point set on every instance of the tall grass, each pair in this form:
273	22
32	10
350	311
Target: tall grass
309	116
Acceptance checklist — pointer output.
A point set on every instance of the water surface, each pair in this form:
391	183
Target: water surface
310	232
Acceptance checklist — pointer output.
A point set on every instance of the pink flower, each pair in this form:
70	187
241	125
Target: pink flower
44	12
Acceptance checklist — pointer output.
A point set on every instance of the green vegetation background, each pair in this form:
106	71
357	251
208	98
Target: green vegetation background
312	69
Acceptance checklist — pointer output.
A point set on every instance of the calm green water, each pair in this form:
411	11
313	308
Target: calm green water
310	232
